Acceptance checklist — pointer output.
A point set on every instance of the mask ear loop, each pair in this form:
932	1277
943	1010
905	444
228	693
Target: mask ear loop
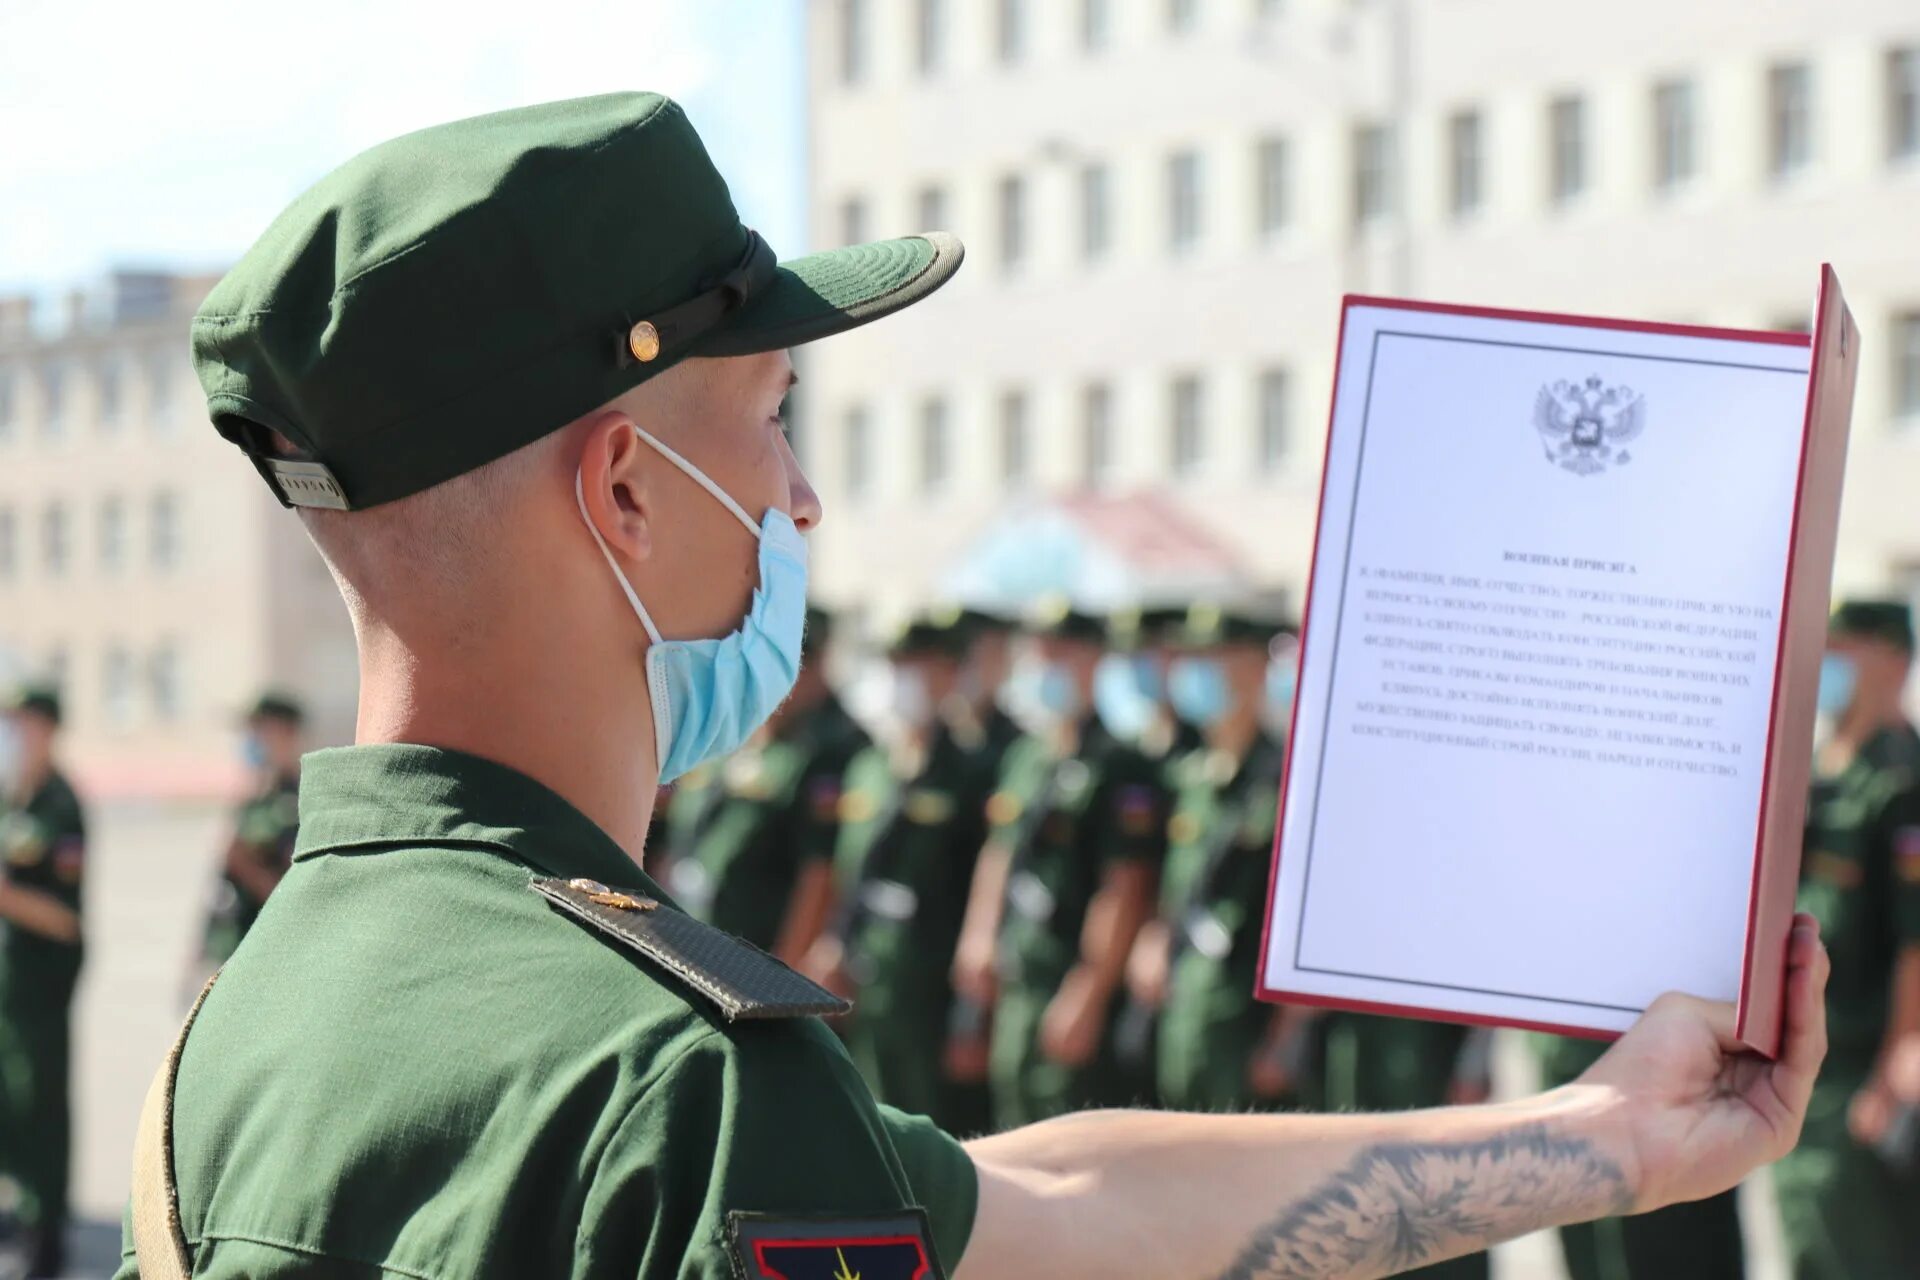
701	478
580	496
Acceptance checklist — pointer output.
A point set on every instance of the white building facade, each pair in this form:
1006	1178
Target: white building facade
1164	200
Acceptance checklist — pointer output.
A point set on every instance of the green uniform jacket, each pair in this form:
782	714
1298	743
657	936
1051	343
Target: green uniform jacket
740	829
264	830
43	846
1213	898
418	1067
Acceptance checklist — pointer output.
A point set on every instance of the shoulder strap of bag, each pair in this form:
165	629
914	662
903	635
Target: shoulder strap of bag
159	1244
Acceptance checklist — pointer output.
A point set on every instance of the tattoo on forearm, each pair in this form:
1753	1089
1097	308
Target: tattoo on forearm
1401	1204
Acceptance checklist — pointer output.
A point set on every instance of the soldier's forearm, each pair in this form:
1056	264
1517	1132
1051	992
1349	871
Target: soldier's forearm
1903	1005
1147	1194
39	913
1114	918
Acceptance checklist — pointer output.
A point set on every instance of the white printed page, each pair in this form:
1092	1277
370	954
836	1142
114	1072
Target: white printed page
1534	701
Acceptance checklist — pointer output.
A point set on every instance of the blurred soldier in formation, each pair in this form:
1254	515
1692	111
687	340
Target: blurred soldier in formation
261	849
1849	1211
1218	1048
43	844
1171	734
750	837
912	820
1066	879
984	678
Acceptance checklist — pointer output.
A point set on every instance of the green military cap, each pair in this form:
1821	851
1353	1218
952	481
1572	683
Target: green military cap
1135	627
972	620
36	699
1056	616
1887	620
940	633
275	704
451	295
1205	624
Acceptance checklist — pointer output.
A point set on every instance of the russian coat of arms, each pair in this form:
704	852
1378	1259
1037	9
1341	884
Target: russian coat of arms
1586	426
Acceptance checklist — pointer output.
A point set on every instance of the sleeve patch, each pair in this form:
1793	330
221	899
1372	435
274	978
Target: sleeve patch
69	860
896	1247
1135	808
1906	850
823	794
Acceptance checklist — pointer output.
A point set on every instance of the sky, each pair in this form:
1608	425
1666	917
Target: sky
169	135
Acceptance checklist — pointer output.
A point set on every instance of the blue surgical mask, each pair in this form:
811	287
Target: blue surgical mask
1281	678
1199	692
1045	688
1838	676
1121	695
710	696
253	752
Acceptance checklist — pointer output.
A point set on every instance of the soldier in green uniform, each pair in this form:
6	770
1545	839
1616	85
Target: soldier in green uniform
750	837
1197	960
1063	885
1847	1211
43	851
912	821
261	847
983	679
522	374
1700	1238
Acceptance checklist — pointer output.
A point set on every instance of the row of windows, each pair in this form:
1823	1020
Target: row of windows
133	682
1676	121
1093	30
1097	440
113	520
55	381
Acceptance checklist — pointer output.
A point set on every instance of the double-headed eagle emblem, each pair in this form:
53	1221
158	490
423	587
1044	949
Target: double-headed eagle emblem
1586	426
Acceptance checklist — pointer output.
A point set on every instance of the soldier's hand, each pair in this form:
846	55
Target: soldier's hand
1075	1019
1267	1073
965	1059
1701	1113
825	963
974	973
1148	963
1468	1091
1871	1112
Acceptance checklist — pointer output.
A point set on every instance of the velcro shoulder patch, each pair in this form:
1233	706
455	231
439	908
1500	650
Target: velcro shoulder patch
741	979
896	1247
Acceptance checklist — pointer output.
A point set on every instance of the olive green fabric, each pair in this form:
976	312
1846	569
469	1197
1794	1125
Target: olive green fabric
1846	1212
740	829
451	295
43	843
911	828
417	1067
1066	820
1699	1240
264	830
1213	900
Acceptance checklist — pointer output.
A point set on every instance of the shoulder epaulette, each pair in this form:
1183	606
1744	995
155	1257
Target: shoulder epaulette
744	981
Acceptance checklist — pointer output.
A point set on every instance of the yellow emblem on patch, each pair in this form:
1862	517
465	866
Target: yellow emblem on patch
1003	808
856	806
1183	828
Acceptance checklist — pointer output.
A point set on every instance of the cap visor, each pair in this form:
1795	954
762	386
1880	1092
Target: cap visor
835	290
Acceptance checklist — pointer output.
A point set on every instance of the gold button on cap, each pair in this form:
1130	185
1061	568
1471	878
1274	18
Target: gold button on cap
644	341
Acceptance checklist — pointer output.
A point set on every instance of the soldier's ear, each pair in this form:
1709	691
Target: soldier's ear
613	486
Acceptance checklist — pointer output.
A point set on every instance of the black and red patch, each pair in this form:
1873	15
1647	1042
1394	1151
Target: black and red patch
898	1247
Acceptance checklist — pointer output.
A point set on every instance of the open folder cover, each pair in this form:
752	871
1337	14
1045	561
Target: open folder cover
1558	668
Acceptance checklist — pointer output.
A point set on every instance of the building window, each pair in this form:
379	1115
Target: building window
116	685
1182	15
113	534
160	391
9	544
1096	225
929	36
933	444
1016	444
853	220
1466	163
1096	24
53	397
1567	139
54	539
1096	435
1183	199
1906	364
1189	426
163	532
1272	440
1273	193
1674	130
1903	103
1373	186
1789	118
1010	30
6	405
1012	207
930	208
109	393
1270	9
853	41
857	445
163	682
